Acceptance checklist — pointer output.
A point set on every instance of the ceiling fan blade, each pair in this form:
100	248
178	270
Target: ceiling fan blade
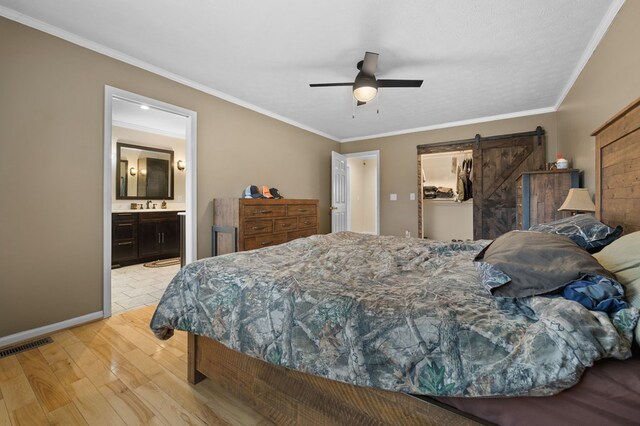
400	83
329	84
370	63
360	103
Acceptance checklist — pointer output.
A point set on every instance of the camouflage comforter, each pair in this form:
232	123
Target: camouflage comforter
401	314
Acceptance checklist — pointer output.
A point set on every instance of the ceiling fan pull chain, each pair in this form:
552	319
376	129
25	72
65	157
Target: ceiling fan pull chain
353	107
378	104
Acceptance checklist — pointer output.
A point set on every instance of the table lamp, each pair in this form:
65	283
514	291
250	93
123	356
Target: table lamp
578	200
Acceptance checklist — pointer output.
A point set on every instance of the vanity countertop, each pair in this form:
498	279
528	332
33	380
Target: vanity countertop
147	210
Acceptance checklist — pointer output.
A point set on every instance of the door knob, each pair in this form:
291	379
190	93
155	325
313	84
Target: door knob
333	208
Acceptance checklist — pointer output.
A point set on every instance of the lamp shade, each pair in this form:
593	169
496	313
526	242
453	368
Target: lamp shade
578	200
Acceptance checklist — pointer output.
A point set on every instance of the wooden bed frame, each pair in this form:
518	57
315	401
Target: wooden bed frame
289	397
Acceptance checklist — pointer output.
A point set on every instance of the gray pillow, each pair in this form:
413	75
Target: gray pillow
526	263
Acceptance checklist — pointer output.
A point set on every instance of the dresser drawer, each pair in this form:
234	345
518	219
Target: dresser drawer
124	250
123	230
251	212
300	234
251	243
288	224
124	217
301	210
253	227
307	222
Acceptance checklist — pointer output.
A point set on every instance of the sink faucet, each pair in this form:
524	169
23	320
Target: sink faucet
148	204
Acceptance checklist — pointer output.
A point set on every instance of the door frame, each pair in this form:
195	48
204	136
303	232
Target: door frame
366	154
190	181
437	148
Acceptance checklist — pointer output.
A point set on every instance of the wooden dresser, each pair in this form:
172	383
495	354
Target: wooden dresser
540	194
264	222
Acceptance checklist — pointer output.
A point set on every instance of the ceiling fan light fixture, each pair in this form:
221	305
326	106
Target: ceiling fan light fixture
365	89
365	93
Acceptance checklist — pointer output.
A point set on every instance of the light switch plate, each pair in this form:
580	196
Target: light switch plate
393	197
412	196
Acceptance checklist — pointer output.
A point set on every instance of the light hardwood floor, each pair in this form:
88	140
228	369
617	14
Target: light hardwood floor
113	372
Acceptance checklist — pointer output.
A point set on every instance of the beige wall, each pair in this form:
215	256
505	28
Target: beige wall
447	220
153	140
51	115
399	160
608	83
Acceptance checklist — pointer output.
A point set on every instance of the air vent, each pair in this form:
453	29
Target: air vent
25	347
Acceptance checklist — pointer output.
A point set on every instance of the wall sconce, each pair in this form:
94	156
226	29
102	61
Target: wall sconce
180	165
133	171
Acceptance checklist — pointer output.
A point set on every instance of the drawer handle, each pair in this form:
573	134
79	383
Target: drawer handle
264	211
285	225
264	243
302	210
256	228
306	222
125	214
125	224
125	244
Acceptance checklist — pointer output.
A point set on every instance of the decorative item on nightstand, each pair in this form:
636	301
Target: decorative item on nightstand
578	201
561	162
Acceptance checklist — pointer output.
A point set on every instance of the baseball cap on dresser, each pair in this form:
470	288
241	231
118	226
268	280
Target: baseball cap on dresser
251	191
255	193
264	190
275	193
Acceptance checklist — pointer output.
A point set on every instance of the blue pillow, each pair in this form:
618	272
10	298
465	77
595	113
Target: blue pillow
583	229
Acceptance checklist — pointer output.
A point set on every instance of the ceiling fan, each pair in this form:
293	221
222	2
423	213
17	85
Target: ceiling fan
365	86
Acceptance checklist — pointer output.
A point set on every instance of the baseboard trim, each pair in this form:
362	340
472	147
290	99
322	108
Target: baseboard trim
48	329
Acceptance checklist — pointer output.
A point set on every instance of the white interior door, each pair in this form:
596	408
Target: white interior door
338	192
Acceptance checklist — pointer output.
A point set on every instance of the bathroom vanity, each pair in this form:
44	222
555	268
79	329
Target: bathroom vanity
145	235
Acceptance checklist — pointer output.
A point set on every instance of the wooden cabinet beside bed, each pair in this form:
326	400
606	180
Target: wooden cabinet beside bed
539	194
264	222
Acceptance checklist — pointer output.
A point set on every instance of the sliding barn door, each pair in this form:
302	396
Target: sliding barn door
497	163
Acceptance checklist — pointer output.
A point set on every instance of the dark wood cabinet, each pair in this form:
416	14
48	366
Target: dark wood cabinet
264	222
540	194
141	237
124	237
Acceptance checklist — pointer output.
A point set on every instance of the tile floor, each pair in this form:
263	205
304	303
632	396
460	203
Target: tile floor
136	285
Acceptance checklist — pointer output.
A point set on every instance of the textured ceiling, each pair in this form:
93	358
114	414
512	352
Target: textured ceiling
477	58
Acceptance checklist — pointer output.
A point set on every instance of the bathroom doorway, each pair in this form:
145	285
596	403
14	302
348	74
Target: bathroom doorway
149	182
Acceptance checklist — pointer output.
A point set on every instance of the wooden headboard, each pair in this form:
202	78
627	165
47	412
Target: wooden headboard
618	169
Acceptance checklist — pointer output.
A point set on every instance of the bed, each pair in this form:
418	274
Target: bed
418	350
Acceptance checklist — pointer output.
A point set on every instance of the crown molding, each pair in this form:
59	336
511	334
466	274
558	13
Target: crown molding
122	57
602	29
454	124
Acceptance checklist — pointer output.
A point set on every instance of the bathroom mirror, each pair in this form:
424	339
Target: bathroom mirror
143	172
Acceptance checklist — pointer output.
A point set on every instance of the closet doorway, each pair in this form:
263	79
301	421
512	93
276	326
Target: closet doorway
447	195
497	161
